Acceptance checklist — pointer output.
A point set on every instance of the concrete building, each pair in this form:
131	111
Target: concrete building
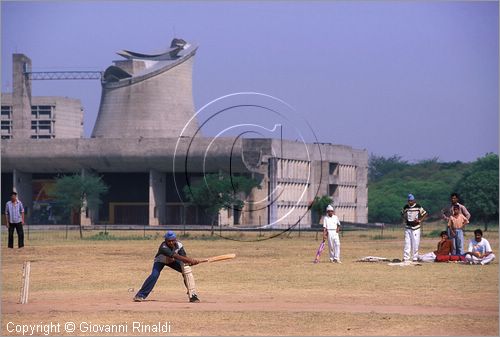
147	96
24	116
135	146
51	117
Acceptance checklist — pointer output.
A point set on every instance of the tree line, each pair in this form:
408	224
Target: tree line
391	179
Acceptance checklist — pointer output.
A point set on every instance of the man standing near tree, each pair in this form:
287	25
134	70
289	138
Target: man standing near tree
331	228
454	198
413	215
14	215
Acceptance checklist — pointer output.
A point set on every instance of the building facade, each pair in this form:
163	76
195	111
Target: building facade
51	117
137	149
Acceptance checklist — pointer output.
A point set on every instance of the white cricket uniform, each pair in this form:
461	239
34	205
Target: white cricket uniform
479	247
331	224
412	230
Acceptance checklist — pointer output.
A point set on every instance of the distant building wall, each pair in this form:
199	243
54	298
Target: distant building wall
50	117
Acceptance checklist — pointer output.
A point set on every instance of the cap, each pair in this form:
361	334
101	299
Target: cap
170	235
329	208
411	197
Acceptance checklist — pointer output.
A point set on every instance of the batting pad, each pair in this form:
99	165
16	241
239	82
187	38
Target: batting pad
187	273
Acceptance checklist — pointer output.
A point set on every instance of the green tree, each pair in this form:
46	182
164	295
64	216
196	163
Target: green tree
74	192
379	166
318	206
429	180
220	191
479	189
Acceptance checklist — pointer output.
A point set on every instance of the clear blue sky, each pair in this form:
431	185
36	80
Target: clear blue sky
414	78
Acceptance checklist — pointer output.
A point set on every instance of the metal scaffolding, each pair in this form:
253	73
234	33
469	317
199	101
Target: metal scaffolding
64	75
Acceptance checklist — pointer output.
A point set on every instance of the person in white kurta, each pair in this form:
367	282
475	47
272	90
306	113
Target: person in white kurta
331	228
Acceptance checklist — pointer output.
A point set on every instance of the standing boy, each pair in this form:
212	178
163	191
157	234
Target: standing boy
331	228
456	225
171	253
14	215
413	215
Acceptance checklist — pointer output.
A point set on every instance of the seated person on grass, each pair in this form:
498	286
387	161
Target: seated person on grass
479	251
444	248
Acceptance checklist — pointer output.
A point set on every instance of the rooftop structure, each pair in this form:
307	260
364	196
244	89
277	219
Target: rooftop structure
148	96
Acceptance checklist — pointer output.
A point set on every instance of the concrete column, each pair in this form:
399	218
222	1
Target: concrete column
273	184
21	97
24	189
157	198
88	215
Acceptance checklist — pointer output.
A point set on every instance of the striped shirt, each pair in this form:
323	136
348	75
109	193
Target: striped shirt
412	213
14	210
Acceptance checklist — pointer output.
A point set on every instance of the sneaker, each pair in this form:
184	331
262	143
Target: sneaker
338	261
194	299
139	299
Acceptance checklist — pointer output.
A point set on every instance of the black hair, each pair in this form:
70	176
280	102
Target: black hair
478	231
13	193
456	206
443	233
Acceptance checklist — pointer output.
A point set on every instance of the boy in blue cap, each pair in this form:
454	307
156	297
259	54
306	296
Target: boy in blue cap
413	214
171	253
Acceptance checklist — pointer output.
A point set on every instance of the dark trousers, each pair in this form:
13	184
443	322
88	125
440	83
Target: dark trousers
150	282
20	234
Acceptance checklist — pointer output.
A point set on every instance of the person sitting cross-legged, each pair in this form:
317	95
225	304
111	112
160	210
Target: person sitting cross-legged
479	251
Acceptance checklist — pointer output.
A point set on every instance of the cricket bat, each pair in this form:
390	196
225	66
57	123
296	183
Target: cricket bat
320	250
219	258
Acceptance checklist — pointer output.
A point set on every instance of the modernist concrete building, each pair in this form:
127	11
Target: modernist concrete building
137	148
51	117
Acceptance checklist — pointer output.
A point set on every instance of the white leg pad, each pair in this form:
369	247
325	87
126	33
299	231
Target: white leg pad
187	273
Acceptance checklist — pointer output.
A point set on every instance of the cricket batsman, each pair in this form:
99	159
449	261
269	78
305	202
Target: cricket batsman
171	253
331	228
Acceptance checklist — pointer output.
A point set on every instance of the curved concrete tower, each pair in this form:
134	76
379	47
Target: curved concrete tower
148	96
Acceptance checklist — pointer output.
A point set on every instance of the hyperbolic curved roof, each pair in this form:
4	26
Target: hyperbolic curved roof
178	52
176	46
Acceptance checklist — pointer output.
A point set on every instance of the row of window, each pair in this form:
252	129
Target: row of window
6	128
41	111
37	112
6	112
41	127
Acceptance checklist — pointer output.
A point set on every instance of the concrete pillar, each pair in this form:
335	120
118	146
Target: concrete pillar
88	215
21	97
273	184
24	189
157	198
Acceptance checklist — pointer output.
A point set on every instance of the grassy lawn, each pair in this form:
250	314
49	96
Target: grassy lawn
271	288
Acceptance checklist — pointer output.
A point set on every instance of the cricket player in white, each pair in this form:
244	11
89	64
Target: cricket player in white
331	228
413	215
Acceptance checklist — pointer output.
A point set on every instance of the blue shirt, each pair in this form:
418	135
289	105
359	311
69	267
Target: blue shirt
14	211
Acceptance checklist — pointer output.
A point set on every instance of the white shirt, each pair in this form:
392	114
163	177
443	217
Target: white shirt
482	247
331	222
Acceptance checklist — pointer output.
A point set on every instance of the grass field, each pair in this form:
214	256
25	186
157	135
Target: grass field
271	288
